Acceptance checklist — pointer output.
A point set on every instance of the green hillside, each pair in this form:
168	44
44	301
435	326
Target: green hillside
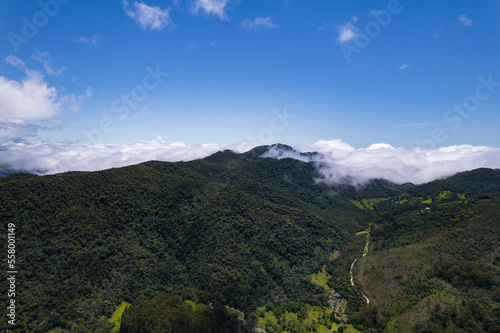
436	269
89	241
250	242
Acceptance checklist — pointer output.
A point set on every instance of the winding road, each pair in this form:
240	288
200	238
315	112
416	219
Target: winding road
240	312
352	265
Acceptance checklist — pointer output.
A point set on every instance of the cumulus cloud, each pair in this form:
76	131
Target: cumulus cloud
32	97
212	7
348	31
464	20
339	162
153	18
259	22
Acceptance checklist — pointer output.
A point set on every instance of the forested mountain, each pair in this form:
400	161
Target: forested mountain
250	242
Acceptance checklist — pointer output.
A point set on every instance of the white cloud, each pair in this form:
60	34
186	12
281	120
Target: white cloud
30	99
74	102
54	158
259	22
96	40
15	61
337	162
403	66
464	20
17	132
44	59
324	26
33	98
81	39
348	31
212	7
153	18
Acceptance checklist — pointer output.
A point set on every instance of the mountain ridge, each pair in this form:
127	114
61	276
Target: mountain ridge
260	235
231	158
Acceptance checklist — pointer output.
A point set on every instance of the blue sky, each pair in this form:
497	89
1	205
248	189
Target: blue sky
81	73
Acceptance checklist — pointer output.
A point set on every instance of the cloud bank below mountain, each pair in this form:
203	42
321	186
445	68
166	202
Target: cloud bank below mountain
337	161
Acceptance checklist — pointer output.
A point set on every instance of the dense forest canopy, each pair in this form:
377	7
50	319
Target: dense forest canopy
256	235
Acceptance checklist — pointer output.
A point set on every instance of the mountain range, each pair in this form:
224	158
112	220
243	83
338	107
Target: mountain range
240	242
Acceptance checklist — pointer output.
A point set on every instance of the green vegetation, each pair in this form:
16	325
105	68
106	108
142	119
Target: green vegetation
358	204
445	194
128	234
427	269
321	278
428	201
116	317
307	319
200	243
168	313
368	202
369	317
334	255
464	273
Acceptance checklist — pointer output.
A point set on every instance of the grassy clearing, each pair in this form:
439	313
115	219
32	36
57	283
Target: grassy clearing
427	201
268	318
368	203
316	318
358	204
444	194
334	255
196	306
322	329
351	329
116	317
321	278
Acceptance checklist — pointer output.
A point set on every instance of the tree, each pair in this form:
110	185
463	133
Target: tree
370	316
168	313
